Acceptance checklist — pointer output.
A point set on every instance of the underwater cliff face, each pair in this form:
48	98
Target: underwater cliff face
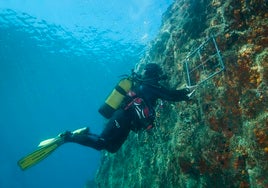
219	139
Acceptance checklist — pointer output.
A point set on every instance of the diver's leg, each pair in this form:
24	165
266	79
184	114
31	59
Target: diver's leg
112	137
116	131
84	137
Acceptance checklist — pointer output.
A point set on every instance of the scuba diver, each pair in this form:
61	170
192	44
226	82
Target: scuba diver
134	111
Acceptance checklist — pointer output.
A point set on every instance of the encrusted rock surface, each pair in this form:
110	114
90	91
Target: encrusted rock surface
219	139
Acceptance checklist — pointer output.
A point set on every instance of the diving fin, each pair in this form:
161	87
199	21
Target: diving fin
45	148
46	142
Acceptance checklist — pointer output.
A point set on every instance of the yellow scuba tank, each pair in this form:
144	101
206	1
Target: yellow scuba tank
115	99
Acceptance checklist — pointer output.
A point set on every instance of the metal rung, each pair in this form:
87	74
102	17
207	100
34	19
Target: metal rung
195	65
203	63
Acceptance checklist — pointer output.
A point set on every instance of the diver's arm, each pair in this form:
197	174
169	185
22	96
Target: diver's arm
167	94
174	95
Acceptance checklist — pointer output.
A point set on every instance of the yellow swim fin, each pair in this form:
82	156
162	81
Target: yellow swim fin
45	148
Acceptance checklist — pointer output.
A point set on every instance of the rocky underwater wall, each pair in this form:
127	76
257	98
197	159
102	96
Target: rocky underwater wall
219	139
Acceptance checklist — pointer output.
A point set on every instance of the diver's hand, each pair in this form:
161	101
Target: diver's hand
183	93
186	92
191	90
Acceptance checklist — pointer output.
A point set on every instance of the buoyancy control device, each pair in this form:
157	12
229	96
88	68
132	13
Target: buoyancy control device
116	97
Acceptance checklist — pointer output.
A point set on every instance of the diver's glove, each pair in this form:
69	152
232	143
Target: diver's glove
191	90
187	92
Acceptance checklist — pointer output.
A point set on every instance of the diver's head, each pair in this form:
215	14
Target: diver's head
153	71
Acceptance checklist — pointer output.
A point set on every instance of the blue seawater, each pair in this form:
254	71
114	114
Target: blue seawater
58	62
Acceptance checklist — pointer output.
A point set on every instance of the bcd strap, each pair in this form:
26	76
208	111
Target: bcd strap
144	117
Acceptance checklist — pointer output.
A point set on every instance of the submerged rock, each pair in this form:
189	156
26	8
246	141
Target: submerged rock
219	139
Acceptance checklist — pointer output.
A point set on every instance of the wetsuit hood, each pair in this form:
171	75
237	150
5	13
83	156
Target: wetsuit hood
153	72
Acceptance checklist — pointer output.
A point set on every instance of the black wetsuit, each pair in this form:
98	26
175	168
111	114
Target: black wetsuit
118	127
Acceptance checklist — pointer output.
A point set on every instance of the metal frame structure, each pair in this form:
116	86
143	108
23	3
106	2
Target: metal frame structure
204	63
